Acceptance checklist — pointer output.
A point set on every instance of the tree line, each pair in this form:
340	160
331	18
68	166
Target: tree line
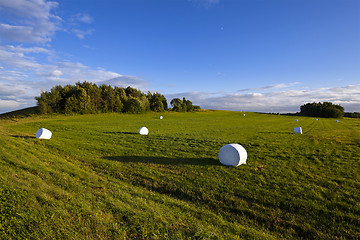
326	109
87	97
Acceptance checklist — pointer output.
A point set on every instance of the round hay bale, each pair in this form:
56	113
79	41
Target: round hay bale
161	117
298	130
43	133
316	119
143	131
232	154
296	120
244	114
336	120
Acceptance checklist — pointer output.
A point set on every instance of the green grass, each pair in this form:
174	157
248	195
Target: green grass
98	179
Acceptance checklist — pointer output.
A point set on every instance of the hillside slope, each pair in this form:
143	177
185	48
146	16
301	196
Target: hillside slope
98	179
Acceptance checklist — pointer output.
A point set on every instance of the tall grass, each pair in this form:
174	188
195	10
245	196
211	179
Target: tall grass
98	179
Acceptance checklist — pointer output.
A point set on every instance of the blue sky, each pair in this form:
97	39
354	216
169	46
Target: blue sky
250	55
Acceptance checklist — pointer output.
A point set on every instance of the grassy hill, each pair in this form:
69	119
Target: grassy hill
25	112
98	179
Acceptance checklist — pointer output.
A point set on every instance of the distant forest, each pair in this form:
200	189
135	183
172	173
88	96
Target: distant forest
87	97
326	109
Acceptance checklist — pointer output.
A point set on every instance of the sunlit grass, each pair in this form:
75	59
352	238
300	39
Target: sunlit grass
97	178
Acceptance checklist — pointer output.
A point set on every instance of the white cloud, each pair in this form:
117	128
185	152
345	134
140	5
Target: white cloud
57	73
9	105
25	71
9	91
125	81
82	33
270	87
53	73
17	59
275	101
83	17
77	24
28	50
28	20
23	76
33	8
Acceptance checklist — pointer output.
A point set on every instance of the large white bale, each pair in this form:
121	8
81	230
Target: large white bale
232	154
298	130
43	133
161	117
143	131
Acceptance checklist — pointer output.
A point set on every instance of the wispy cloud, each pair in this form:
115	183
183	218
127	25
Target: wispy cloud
78	22
26	71
83	17
12	57
270	87
125	81
276	101
28	20
23	76
82	33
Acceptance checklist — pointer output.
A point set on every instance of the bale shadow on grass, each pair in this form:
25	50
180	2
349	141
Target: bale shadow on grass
121	132
20	136
164	160
287	133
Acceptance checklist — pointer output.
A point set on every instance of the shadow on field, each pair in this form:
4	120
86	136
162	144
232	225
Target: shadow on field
287	133
164	160
25	137
121	132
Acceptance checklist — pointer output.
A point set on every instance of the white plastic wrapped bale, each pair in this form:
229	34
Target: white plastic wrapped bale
232	154
43	133
161	117
336	120
298	130
316	119
144	131
296	120
244	114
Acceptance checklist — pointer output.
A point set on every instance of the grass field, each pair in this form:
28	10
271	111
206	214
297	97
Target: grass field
98	179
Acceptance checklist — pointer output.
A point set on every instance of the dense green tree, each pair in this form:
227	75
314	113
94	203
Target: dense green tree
326	109
56	98
176	104
44	103
158	102
86	97
132	92
188	105
133	105
181	105
94	92
144	102
108	98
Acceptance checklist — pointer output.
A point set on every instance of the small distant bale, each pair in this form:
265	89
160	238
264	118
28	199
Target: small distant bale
296	120
161	117
336	120
244	114
232	154
43	133
298	130
316	119
144	131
